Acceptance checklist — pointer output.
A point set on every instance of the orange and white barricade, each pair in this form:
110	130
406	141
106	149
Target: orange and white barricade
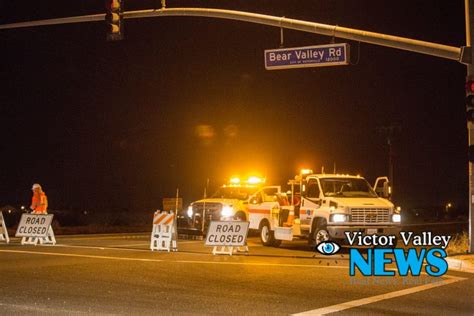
164	233
3	230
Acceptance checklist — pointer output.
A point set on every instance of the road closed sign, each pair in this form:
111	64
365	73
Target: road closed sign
34	225
231	233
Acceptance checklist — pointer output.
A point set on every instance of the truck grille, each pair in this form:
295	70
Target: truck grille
370	215
213	210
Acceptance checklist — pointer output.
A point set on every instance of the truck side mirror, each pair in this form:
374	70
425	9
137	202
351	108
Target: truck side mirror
382	187
387	190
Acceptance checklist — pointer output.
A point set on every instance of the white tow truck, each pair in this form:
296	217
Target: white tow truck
236	200
322	207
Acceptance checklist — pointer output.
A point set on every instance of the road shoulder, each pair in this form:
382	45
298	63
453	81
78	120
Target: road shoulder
463	263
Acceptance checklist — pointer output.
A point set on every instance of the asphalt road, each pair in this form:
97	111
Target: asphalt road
118	274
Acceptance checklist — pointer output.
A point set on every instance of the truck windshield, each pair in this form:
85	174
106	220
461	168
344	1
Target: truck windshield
239	193
347	187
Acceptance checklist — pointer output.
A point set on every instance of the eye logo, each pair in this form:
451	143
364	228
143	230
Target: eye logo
328	248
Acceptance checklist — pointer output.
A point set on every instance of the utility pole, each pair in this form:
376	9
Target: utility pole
389	134
390	162
469	15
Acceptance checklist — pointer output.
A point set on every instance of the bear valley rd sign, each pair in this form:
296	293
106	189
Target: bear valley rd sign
308	56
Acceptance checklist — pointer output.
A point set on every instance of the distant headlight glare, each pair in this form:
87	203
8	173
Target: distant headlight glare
190	211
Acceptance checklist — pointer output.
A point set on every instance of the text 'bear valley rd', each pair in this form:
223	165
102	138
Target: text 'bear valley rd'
308	56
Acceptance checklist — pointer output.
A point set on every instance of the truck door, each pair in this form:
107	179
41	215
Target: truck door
310	202
261	205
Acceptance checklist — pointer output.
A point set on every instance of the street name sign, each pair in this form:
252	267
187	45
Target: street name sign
308	56
34	225
227	233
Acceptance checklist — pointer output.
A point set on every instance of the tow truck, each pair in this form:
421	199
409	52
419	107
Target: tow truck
236	200
323	206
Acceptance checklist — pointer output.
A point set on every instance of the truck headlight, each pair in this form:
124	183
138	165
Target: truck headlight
339	218
396	218
190	211
227	211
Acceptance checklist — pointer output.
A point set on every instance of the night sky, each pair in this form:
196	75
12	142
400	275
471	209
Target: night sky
108	125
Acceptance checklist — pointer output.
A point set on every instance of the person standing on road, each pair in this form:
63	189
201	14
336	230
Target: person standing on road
39	201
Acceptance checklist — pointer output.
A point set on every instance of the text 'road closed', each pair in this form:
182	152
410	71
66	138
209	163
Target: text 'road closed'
34	225
227	233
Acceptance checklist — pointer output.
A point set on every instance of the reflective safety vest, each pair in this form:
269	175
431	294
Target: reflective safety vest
39	203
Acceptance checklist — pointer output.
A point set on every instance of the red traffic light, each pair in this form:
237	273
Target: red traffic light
113	5
470	86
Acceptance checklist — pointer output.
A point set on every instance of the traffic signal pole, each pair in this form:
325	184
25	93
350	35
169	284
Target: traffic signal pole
469	13
407	44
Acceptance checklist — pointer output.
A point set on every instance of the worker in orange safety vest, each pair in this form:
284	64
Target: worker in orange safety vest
39	201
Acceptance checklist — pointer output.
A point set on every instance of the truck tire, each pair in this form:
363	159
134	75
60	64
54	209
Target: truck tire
267	236
276	243
319	233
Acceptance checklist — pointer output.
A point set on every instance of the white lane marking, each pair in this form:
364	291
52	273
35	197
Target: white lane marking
80	256
119	248
381	297
108	237
89	237
130	245
94	247
173	261
37	309
148	244
110	247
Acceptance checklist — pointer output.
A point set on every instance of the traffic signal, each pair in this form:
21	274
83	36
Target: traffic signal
114	19
470	100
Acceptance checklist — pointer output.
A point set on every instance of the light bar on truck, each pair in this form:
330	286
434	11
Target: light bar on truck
255	180
234	180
